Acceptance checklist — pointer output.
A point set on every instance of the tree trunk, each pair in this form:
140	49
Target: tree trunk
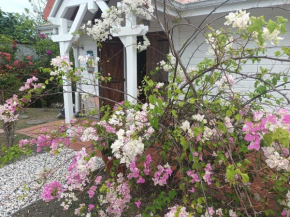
9	131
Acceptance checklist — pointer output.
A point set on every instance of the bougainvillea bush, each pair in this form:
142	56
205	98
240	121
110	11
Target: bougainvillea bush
198	147
13	70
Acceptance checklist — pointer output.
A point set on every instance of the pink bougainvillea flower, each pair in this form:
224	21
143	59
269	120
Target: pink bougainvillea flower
255	142
98	180
138	204
42	35
192	190
91	207
257	115
52	191
92	190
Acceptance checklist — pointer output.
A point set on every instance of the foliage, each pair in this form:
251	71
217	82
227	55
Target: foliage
8	155
13	71
19	28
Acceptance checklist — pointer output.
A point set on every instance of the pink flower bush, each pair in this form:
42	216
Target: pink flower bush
212	142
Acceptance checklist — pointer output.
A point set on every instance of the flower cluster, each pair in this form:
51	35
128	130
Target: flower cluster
143	45
126	148
161	176
275	160
45	140
177	211
135	173
226	82
52	191
116	198
272	36
8	110
62	65
240	19
140	7
30	83
218	46
169	66
208	172
89	134
266	123
110	23
79	170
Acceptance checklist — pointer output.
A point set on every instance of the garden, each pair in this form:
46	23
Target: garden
197	147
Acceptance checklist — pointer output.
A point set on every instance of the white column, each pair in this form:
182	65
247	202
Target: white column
67	89
128	35
131	66
131	59
78	86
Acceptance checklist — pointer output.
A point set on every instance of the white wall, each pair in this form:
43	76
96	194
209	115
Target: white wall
88	44
185	32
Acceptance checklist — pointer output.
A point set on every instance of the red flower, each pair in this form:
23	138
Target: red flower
30	63
8	67
29	57
8	57
16	62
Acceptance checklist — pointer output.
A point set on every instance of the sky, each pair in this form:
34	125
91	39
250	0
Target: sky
14	5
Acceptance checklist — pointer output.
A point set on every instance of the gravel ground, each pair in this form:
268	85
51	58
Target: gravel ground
18	181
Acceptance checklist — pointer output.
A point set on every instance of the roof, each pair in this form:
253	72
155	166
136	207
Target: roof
187	1
48	8
50	4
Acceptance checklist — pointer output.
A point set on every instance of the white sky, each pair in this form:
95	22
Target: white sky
14	5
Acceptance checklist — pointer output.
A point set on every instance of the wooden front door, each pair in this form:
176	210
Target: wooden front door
112	65
156	52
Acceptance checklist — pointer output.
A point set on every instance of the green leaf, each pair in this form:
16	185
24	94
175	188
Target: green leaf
174	113
277	53
238	117
245	177
229	113
268	138
271	25
230	172
171	194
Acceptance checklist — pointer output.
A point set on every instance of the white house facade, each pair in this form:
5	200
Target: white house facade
124	64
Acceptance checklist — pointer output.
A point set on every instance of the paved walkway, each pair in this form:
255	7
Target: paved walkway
34	131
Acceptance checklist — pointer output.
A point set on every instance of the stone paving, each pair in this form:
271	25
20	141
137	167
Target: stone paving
34	131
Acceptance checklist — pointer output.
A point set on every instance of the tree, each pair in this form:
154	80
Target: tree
19	28
38	8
